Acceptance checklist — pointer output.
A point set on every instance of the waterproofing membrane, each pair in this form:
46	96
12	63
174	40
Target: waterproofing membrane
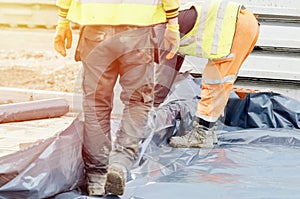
45	169
252	160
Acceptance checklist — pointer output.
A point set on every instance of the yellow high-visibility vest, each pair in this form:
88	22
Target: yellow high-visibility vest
213	32
115	12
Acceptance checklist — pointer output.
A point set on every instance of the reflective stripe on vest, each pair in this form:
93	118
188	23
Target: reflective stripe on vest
213	33
219	21
117	12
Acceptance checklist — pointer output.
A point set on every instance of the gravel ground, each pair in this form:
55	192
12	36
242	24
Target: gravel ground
37	70
28	60
41	70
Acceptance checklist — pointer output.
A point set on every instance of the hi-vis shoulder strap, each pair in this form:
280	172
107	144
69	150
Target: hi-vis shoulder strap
214	29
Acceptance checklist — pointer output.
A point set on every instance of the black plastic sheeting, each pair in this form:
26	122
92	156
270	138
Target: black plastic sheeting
257	155
263	110
52	166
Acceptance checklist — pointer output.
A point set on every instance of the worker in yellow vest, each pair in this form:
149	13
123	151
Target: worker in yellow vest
117	39
225	33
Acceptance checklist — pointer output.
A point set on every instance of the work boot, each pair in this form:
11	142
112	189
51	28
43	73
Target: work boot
95	185
116	179
198	137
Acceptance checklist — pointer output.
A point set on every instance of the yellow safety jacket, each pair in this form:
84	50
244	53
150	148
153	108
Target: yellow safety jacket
213	32
118	12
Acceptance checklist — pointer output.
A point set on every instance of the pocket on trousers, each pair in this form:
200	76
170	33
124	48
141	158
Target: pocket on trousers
90	39
94	35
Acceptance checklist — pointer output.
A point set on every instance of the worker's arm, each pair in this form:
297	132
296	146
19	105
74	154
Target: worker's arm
63	34
172	35
171	7
64	4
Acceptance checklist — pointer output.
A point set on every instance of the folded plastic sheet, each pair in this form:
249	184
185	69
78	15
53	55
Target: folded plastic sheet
261	162
45	169
263	110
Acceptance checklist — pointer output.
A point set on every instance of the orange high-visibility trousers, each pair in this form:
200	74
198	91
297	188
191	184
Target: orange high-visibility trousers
219	75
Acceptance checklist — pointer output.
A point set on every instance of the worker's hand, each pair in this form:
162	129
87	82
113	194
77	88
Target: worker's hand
63	34
172	39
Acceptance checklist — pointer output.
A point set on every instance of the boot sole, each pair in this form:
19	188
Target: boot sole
114	184
202	145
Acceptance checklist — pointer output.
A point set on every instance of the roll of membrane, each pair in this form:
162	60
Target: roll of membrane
32	110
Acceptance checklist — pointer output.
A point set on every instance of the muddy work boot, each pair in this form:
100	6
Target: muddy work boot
198	137
116	179
95	185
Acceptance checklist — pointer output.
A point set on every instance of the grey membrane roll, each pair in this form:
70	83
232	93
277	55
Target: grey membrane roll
31	110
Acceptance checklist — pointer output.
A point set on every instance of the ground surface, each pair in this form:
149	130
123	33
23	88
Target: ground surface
28	60
40	70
